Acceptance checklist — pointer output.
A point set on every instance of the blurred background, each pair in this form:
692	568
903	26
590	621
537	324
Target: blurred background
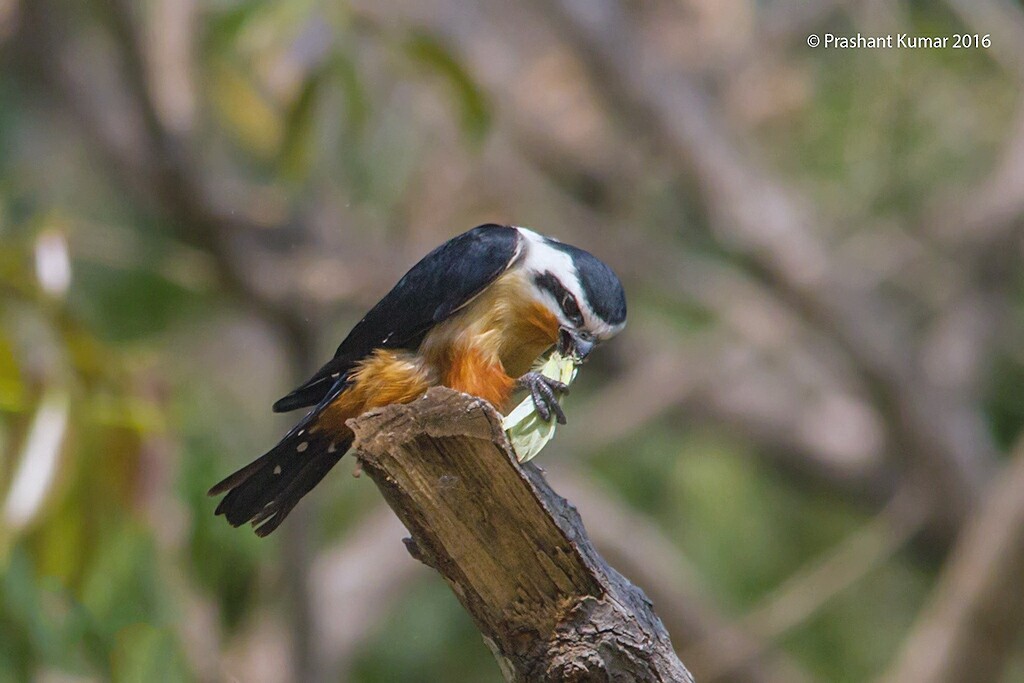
805	447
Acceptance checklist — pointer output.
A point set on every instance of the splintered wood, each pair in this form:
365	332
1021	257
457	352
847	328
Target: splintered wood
515	553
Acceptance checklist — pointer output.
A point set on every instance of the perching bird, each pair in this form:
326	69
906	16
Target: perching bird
473	315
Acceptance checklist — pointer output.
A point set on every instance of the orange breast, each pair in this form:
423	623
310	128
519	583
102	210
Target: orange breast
495	339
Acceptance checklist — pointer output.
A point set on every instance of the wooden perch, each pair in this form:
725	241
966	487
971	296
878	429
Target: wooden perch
514	552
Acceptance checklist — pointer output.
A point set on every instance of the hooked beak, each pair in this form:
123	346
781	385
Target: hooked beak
572	344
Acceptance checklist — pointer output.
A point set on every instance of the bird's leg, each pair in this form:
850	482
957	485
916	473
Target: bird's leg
543	389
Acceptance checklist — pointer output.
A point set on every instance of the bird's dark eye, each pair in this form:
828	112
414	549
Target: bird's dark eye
566	301
571	310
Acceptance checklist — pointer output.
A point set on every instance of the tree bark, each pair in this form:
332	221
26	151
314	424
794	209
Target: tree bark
514	552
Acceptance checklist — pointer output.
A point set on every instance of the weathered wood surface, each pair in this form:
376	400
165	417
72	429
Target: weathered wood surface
513	551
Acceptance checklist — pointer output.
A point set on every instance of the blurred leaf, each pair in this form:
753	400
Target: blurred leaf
357	100
224	560
435	56
41	625
60	544
256	27
146	654
225	26
300	126
19	610
352	150
12	390
127	412
438	643
1005	400
122	586
90	510
16	277
124	305
246	113
89	357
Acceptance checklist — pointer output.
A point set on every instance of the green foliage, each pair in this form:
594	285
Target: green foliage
868	156
224	27
144	654
746	530
124	565
43	625
420	645
223	560
127	305
1006	401
432	54
299	126
897	591
292	126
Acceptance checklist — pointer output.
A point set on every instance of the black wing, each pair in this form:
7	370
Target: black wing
442	282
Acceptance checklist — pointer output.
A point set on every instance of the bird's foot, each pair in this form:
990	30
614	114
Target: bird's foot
543	389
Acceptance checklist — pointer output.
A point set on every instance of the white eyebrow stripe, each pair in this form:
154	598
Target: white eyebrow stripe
541	257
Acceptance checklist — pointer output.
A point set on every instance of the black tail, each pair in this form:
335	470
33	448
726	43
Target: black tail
267	489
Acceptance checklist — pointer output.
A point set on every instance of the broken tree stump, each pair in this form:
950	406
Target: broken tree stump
514	552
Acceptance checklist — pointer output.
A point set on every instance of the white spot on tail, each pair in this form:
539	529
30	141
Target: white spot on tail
302	446
333	447
277	469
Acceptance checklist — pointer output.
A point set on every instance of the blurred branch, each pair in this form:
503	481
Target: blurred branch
984	227
981	227
722	381
151	161
160	169
790	20
915	432
1004	21
535	161
708	374
988	213
515	553
362	578
968	630
813	586
198	223
756	216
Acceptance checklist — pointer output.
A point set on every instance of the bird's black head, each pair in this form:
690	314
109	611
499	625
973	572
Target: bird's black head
582	291
602	291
